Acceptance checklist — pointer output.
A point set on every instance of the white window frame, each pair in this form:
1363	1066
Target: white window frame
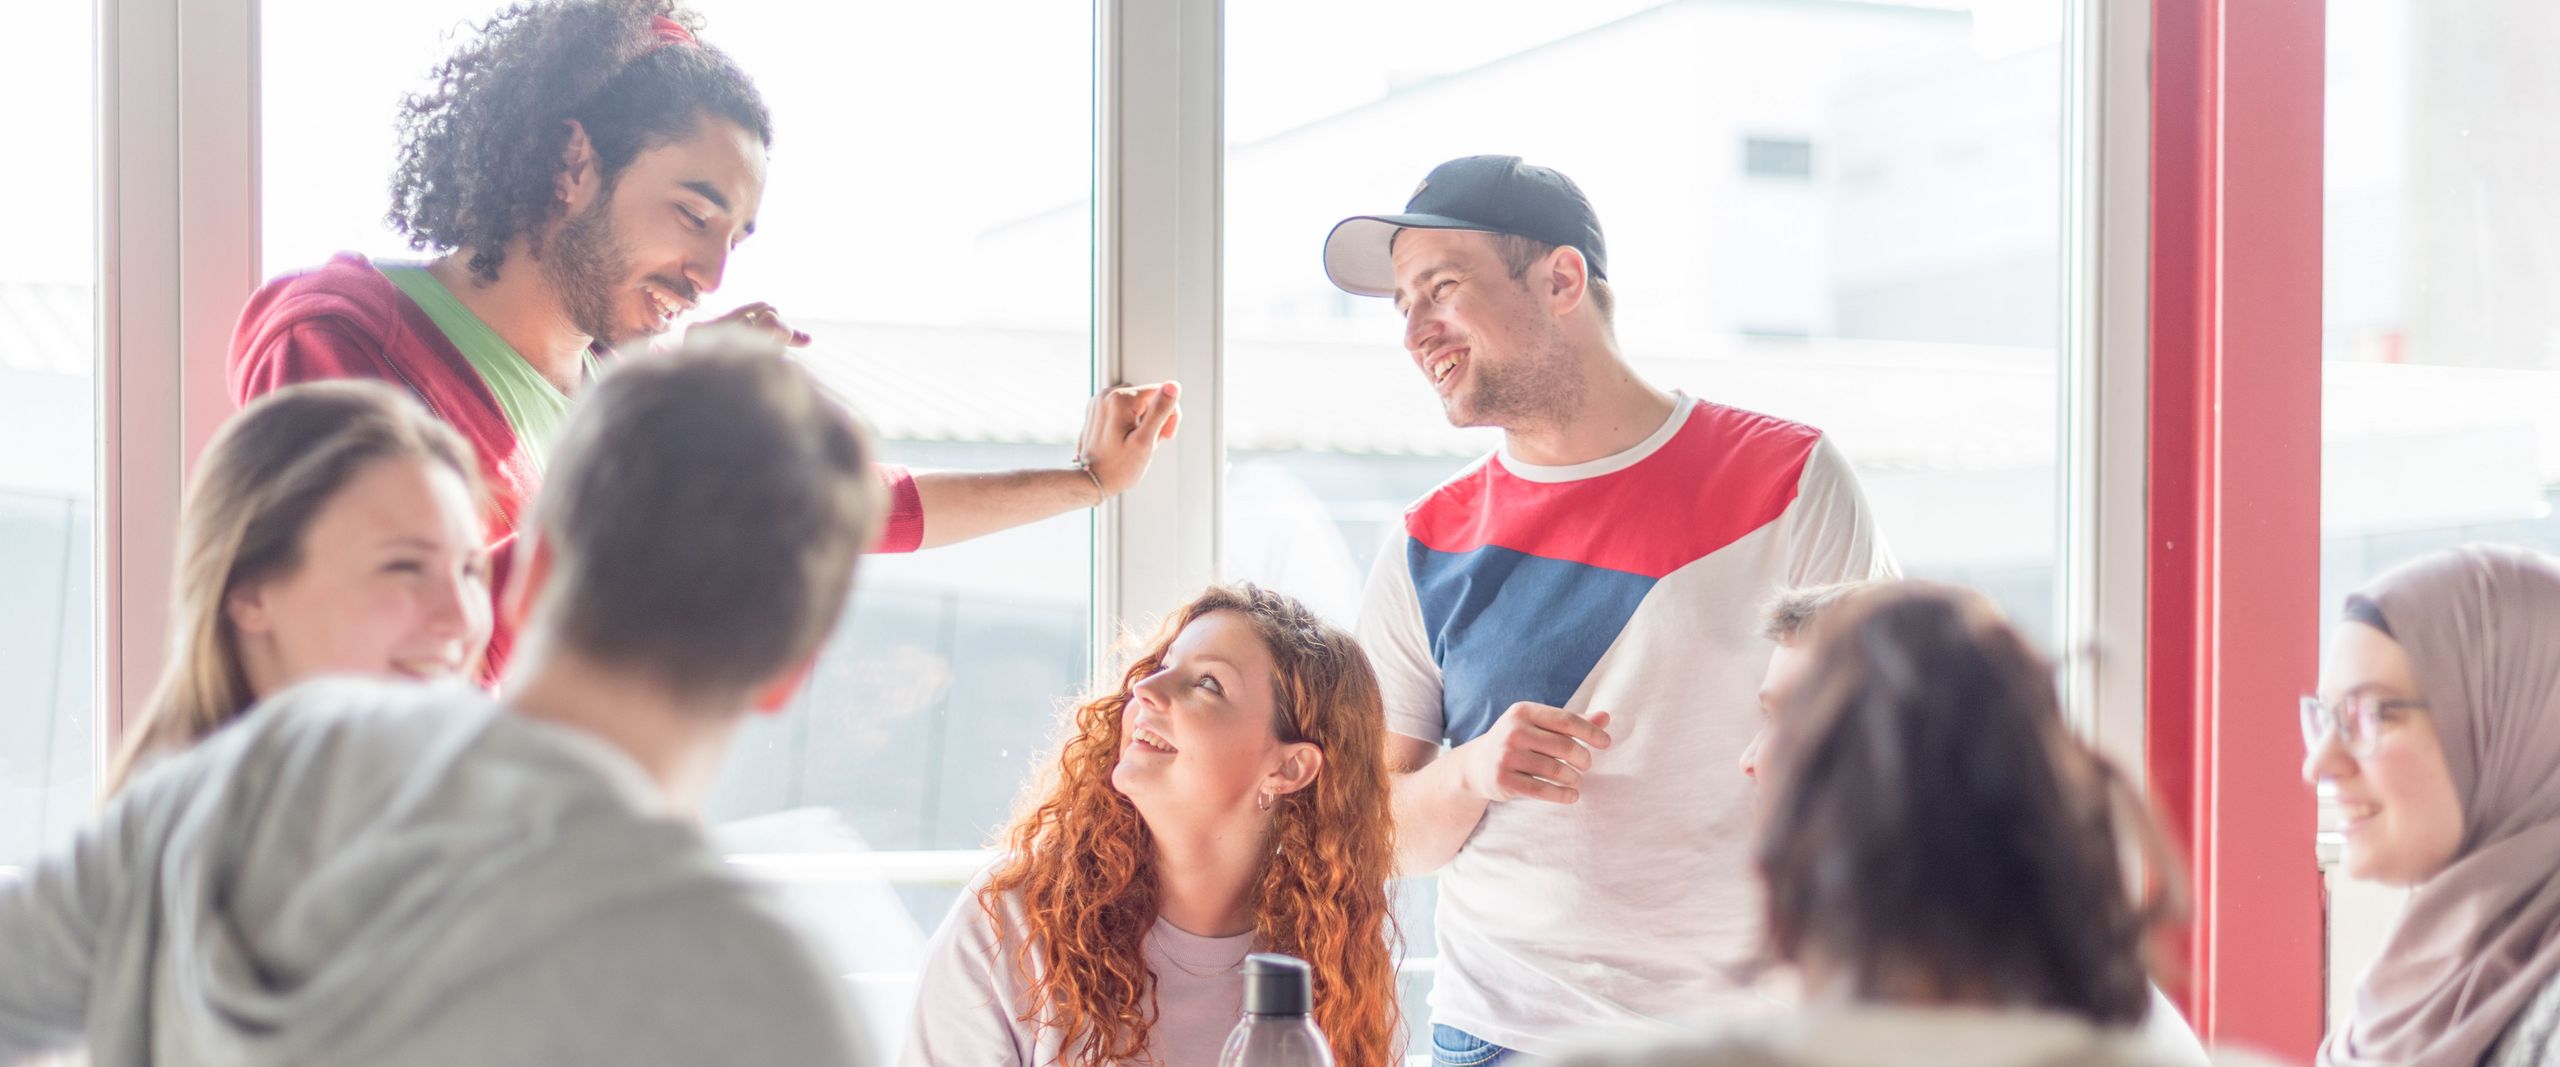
2105	380
1160	133
178	256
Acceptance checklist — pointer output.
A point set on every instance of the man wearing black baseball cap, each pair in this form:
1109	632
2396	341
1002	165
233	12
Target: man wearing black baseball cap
1575	618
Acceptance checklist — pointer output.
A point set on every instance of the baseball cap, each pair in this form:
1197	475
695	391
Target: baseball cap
1493	194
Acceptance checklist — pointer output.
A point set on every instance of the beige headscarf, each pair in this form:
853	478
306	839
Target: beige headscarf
2482	628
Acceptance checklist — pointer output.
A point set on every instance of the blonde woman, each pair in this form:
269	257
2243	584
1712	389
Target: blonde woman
330	528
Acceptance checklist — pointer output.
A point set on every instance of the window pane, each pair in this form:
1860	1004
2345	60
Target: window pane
1842	214
926	221
48	430
2442	379
1906	276
2440	406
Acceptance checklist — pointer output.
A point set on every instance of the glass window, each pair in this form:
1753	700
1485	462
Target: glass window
927	221
1898	288
48	430
2441	373
2441	401
1876	306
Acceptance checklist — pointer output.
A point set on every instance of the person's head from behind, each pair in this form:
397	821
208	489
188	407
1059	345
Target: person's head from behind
1244	715
598	139
329	528
699	526
1934	835
2438	712
1789	621
1499	271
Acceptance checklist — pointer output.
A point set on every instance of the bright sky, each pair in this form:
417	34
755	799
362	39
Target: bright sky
47	186
902	130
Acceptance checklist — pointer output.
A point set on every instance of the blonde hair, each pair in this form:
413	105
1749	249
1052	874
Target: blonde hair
262	480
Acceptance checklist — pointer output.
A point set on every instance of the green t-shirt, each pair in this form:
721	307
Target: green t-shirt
534	407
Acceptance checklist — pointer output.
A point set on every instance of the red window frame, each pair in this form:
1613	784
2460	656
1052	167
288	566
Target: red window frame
2234	505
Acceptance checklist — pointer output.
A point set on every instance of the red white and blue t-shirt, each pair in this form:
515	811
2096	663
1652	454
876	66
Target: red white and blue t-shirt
1632	585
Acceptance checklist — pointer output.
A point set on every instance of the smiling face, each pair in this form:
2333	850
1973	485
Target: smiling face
646	247
2401	814
1480	337
1200	737
1786	673
391	579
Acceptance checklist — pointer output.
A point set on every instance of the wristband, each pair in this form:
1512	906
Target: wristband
1099	493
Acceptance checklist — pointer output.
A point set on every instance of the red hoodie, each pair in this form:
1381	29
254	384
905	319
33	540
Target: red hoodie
344	319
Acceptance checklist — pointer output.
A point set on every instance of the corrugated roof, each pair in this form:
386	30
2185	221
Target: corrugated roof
1935	406
1890	404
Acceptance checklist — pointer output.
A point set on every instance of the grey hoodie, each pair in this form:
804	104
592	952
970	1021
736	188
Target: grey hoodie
373	873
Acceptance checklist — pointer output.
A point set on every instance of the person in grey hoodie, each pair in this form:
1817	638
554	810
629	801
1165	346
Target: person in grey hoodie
386	873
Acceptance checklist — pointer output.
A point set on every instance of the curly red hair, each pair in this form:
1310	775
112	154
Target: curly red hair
1084	863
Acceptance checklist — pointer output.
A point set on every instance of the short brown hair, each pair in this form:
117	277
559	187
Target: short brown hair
1936	831
704	510
1792	612
1519	253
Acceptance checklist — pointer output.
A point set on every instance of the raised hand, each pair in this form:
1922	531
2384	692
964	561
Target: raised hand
1121	430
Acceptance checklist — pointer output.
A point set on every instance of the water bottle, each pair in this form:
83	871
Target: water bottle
1277	1029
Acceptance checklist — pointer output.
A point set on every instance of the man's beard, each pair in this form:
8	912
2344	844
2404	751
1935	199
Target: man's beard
1540	386
585	263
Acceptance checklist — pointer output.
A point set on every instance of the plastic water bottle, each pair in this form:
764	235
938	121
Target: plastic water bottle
1277	1029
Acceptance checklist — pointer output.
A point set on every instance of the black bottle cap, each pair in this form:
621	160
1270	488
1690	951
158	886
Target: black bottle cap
1277	985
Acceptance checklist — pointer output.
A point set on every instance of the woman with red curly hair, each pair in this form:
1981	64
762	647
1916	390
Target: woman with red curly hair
1229	798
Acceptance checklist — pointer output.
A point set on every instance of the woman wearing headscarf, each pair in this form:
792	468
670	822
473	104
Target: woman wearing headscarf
2438	722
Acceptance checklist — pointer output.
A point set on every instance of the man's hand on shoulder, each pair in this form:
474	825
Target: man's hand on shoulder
1533	751
758	321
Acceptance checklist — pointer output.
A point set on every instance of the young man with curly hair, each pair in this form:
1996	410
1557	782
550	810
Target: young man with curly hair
584	168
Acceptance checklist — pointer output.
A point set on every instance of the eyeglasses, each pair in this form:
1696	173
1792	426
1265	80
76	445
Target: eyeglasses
2357	721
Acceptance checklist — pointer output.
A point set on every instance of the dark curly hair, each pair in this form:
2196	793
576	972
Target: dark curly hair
479	152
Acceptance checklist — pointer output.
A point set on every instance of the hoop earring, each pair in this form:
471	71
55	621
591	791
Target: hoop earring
1264	802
